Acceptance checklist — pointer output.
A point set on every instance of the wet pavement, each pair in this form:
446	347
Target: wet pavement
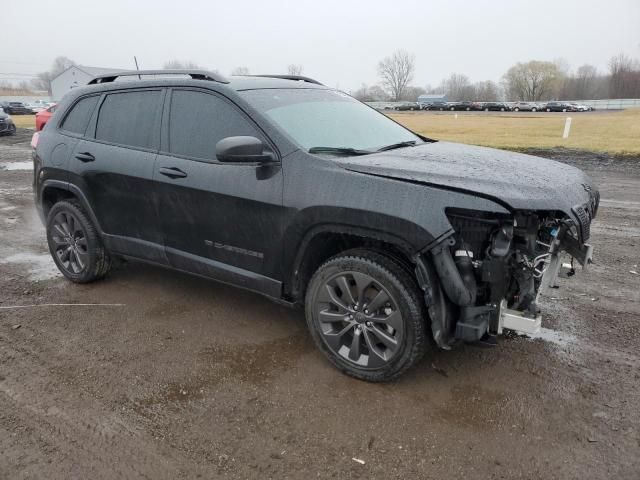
163	375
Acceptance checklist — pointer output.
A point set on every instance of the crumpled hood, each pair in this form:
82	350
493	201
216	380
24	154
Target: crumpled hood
520	181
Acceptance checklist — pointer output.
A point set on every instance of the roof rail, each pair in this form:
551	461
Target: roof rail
194	74
298	78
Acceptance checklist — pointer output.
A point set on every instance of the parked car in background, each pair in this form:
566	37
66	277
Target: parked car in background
15	108
43	117
496	107
580	107
7	127
437	105
407	106
463	106
525	107
560	107
35	108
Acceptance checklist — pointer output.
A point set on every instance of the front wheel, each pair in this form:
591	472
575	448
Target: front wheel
74	243
534	109
548	109
366	314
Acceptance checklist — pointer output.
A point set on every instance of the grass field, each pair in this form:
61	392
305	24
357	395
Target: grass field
24	121
612	132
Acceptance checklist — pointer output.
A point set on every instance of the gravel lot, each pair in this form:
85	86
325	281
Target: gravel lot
181	377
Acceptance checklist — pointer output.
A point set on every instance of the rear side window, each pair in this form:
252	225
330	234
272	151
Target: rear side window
78	118
200	120
130	118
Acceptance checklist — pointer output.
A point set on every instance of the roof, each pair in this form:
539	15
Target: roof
92	71
181	77
95	71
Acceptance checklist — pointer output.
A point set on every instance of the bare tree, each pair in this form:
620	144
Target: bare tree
181	65
624	79
396	72
294	69
240	71
486	91
43	80
532	81
458	87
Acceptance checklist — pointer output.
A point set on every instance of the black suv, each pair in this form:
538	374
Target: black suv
560	107
15	108
496	107
303	194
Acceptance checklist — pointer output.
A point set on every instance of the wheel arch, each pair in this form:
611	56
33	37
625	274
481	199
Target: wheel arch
324	241
54	191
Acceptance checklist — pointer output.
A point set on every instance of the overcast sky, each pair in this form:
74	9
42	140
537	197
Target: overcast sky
337	42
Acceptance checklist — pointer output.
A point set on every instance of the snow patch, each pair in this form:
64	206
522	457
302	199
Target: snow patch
40	266
28	165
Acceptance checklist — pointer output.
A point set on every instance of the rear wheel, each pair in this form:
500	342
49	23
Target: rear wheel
516	109
534	109
548	109
75	245
366	314
486	109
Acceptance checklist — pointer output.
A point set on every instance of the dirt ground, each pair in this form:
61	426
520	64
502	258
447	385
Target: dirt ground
180	377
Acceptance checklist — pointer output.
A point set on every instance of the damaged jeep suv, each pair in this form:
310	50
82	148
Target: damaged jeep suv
280	185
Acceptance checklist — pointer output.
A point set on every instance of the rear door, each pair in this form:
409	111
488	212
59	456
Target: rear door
220	220
113	164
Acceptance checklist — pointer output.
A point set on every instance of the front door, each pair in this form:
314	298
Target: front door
220	220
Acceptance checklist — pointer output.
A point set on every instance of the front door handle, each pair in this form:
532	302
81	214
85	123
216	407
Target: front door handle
85	157
172	172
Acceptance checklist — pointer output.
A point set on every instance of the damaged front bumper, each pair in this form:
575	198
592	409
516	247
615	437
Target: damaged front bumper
473	299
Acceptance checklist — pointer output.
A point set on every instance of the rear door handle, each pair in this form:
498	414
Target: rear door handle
85	157
172	172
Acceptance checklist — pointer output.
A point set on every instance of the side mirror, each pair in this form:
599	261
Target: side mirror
242	149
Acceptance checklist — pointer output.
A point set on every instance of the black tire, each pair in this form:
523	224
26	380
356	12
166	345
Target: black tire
548	109
534	109
486	109
405	306
516	109
12	130
74	243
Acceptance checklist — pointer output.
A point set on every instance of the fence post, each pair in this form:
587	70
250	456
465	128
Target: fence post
567	128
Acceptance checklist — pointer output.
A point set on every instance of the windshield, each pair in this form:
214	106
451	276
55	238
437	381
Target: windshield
328	118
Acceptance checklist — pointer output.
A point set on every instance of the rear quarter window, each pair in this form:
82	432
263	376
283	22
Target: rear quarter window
77	119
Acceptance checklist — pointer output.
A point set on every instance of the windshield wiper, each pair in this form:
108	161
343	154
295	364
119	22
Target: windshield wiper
339	150
393	146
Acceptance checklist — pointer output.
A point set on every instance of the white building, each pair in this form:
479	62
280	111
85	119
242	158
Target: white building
76	76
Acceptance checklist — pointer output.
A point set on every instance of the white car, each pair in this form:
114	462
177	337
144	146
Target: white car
582	108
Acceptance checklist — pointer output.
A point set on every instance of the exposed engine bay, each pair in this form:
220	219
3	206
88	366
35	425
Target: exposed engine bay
493	269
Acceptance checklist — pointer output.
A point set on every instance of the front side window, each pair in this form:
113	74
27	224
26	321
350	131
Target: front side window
198	121
130	118
317	118
77	119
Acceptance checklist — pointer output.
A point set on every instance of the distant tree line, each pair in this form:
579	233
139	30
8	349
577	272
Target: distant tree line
529	81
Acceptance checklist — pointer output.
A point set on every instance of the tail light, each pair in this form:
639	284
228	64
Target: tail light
34	139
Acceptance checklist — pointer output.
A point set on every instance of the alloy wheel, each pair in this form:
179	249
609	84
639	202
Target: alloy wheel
359	319
70	243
